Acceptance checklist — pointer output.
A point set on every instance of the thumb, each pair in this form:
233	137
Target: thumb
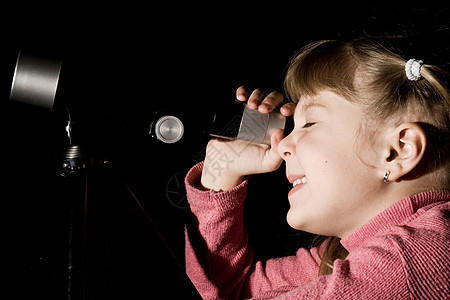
273	159
276	138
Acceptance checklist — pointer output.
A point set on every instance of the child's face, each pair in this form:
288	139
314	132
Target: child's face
333	189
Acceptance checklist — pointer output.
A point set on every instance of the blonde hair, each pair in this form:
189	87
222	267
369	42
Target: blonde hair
370	72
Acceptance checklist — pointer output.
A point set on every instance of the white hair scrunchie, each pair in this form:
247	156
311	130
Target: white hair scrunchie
412	69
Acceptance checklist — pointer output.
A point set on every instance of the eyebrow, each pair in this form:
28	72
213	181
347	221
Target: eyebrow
310	105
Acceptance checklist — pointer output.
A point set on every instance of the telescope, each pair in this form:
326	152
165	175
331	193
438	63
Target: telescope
36	81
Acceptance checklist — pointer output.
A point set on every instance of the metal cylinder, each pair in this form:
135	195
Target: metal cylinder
257	127
35	80
242	123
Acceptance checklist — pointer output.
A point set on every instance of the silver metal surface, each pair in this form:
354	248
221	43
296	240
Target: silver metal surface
35	80
169	129
257	127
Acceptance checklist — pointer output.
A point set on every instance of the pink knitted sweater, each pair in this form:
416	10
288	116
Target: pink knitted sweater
402	253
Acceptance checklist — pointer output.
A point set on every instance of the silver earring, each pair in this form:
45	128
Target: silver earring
386	176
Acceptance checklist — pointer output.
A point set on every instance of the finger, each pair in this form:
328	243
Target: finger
255	98
270	102
288	109
276	138
241	93
273	158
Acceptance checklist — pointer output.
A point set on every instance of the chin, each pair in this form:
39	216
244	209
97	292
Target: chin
294	221
304	224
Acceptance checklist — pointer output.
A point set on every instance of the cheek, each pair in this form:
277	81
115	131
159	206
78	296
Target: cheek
317	156
327	166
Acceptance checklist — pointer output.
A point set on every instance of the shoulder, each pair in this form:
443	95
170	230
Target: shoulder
429	224
423	245
412	256
425	235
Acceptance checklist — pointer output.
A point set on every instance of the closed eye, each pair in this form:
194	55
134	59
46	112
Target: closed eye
307	125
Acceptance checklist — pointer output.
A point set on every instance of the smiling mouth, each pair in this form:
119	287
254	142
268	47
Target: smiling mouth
297	184
299	180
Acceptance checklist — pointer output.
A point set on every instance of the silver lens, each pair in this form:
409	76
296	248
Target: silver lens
169	129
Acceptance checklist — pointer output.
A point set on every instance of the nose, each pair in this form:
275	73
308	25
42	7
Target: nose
286	147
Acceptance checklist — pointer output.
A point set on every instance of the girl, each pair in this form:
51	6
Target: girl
368	160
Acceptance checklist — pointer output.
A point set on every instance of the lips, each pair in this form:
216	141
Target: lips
298	181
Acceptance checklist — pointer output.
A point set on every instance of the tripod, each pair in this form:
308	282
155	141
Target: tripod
103	207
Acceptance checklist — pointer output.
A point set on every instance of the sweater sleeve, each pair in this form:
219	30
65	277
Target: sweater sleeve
219	260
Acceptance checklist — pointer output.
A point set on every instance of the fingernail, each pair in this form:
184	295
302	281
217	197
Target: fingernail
285	111
264	106
253	103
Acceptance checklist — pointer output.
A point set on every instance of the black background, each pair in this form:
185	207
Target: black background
122	64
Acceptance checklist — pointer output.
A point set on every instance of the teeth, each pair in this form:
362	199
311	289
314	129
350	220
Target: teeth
298	181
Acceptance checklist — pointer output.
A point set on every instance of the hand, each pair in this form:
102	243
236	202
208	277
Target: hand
228	162
271	101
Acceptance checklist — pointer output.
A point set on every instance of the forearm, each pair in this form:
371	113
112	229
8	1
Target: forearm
217	173
217	268
221	184
217	253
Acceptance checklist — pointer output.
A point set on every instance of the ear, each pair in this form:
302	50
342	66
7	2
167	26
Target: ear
406	149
